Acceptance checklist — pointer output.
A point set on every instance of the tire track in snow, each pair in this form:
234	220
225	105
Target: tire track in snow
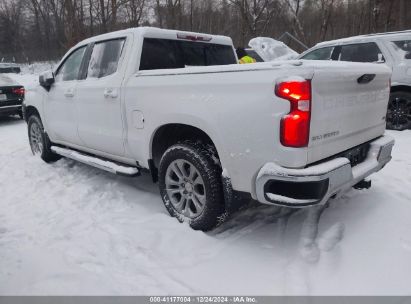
124	256
81	207
310	248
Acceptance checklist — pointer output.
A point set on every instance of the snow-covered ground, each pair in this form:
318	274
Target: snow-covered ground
68	229
37	67
29	76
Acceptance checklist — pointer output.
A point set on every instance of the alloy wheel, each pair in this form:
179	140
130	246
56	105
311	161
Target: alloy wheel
36	139
399	113
185	188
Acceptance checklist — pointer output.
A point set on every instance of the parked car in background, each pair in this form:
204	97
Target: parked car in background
6	67
393	49
269	49
178	105
11	96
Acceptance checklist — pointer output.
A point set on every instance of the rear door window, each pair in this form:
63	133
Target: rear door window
319	54
160	54
361	52
105	58
174	54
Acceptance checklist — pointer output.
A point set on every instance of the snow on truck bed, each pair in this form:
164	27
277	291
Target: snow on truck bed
69	229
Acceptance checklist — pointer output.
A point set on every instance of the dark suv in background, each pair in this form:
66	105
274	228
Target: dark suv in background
11	96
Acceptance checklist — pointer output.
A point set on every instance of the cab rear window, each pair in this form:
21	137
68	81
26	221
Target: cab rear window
174	54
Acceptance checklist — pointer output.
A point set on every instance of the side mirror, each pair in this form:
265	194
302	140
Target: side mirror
46	79
408	55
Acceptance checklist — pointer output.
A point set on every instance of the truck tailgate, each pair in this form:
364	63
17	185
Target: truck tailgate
349	105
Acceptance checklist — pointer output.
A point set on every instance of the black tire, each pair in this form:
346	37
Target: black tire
399	111
40	138
201	158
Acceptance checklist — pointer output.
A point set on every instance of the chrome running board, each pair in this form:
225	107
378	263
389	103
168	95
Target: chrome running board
97	162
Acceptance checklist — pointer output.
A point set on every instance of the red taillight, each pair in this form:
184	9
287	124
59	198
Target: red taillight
295	126
18	91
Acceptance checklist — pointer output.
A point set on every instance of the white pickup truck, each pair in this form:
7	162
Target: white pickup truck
211	132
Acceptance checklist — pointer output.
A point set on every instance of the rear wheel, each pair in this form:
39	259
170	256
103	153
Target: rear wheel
191	186
39	141
399	111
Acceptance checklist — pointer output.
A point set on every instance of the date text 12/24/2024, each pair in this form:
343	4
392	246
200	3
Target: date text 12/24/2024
205	299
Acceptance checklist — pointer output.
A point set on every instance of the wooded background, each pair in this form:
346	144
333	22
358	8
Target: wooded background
32	30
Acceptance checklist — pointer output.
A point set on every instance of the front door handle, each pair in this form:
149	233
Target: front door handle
69	93
110	92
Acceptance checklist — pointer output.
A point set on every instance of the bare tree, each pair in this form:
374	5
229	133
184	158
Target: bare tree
293	7
44	29
10	27
134	10
326	11
255	16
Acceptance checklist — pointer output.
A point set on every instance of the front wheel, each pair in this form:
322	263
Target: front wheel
399	111
39	142
190	185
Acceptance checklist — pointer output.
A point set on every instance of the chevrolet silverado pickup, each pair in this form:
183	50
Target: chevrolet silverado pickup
211	132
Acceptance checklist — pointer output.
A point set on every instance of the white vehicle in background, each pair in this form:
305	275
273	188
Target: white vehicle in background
393	49
211	131
265	49
9	67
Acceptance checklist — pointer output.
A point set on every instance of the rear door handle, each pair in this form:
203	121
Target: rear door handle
69	93
366	78
110	92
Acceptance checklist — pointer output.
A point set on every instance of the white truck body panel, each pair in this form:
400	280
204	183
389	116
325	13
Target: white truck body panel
235	105
346	113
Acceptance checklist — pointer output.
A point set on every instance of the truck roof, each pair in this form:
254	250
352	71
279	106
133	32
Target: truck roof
406	35
153	32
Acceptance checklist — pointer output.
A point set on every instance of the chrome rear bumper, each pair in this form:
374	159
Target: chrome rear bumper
316	184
